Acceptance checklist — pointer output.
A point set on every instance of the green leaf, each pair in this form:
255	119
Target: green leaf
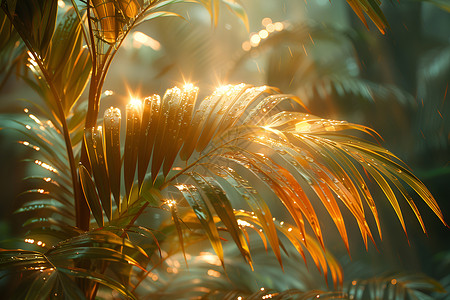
100	278
254	200
149	127
203	213
238	10
372	9
111	126
394	286
91	195
169	106
130	153
179	125
158	14
93	253
443	4
71	290
218	199
94	142
43	285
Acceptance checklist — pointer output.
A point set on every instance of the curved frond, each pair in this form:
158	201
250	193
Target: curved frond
206	275
241	148
439	3
372	9
11	48
287	154
53	273
46	201
397	286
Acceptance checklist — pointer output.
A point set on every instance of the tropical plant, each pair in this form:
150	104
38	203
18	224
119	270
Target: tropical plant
109	213
318	62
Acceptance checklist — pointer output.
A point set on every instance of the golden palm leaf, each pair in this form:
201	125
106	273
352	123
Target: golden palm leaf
372	9
239	145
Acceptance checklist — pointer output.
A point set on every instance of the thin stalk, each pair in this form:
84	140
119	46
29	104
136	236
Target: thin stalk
91	117
80	19
65	129
96	86
58	100
83	213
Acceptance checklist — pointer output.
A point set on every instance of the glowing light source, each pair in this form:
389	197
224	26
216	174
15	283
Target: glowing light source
31	59
61	4
108	93
270	27
39	243
278	26
266	21
213	273
243	223
210	258
254	40
46	166
170	203
263	34
246	46
135	102
153	276
140	38
34	118
188	86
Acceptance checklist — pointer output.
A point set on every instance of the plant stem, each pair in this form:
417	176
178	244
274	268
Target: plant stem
65	130
58	100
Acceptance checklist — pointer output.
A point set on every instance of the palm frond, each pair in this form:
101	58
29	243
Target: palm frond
319	63
248	151
213	7
34	21
372	9
46	203
11	49
206	275
297	147
397	286
442	4
53	273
